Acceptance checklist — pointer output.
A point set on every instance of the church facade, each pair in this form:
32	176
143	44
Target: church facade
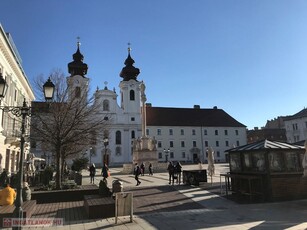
180	134
123	121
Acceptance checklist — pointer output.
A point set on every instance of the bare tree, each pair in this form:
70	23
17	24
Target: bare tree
68	125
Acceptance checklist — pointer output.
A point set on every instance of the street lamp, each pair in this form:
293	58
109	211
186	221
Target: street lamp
166	152
90	155
22	111
106	143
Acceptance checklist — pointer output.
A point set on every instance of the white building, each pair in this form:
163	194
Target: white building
124	120
296	127
18	89
185	134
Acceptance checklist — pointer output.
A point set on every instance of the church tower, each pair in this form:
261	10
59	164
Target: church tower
77	81
130	87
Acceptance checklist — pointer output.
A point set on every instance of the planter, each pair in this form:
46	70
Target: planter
53	196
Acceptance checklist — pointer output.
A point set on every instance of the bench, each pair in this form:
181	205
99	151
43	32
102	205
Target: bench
28	208
99	207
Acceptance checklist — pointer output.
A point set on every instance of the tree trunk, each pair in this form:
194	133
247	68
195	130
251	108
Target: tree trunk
58	169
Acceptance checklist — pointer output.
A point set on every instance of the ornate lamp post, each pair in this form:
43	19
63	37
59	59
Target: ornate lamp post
22	111
91	153
166	152
106	143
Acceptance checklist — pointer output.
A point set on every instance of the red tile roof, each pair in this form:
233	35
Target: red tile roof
161	116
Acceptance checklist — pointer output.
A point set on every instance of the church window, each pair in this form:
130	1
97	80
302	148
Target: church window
194	144
182	132
106	105
78	92
171	144
132	95
193	132
159	132
118	150
118	138
132	134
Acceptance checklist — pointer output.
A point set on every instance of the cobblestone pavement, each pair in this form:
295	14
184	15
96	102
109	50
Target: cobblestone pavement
162	206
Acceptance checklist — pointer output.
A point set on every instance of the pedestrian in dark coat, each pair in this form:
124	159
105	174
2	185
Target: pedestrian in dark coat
92	172
105	173
142	168
137	172
170	169
150	169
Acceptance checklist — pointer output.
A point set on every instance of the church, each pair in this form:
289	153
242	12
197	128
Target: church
179	134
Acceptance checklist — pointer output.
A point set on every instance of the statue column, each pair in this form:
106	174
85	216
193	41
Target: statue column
143	100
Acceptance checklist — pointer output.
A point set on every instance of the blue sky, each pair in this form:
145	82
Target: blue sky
248	57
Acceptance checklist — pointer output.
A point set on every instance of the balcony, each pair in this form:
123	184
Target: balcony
12	137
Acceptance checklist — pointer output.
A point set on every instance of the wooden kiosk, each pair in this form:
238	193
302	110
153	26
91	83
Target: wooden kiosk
266	171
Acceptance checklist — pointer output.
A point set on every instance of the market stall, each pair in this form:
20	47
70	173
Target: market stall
267	171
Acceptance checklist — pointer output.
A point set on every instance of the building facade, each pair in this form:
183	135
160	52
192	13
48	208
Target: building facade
296	127
181	134
18	89
185	134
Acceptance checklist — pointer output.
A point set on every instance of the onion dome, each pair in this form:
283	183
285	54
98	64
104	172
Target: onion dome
77	67
129	71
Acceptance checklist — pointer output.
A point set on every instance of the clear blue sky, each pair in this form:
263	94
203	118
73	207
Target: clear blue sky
246	57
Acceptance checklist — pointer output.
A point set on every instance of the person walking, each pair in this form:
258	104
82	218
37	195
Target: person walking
179	170
137	172
142	168
92	172
105	173
150	169
170	169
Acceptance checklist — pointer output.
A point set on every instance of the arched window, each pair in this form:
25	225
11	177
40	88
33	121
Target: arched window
118	138
132	134
106	106
132	95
